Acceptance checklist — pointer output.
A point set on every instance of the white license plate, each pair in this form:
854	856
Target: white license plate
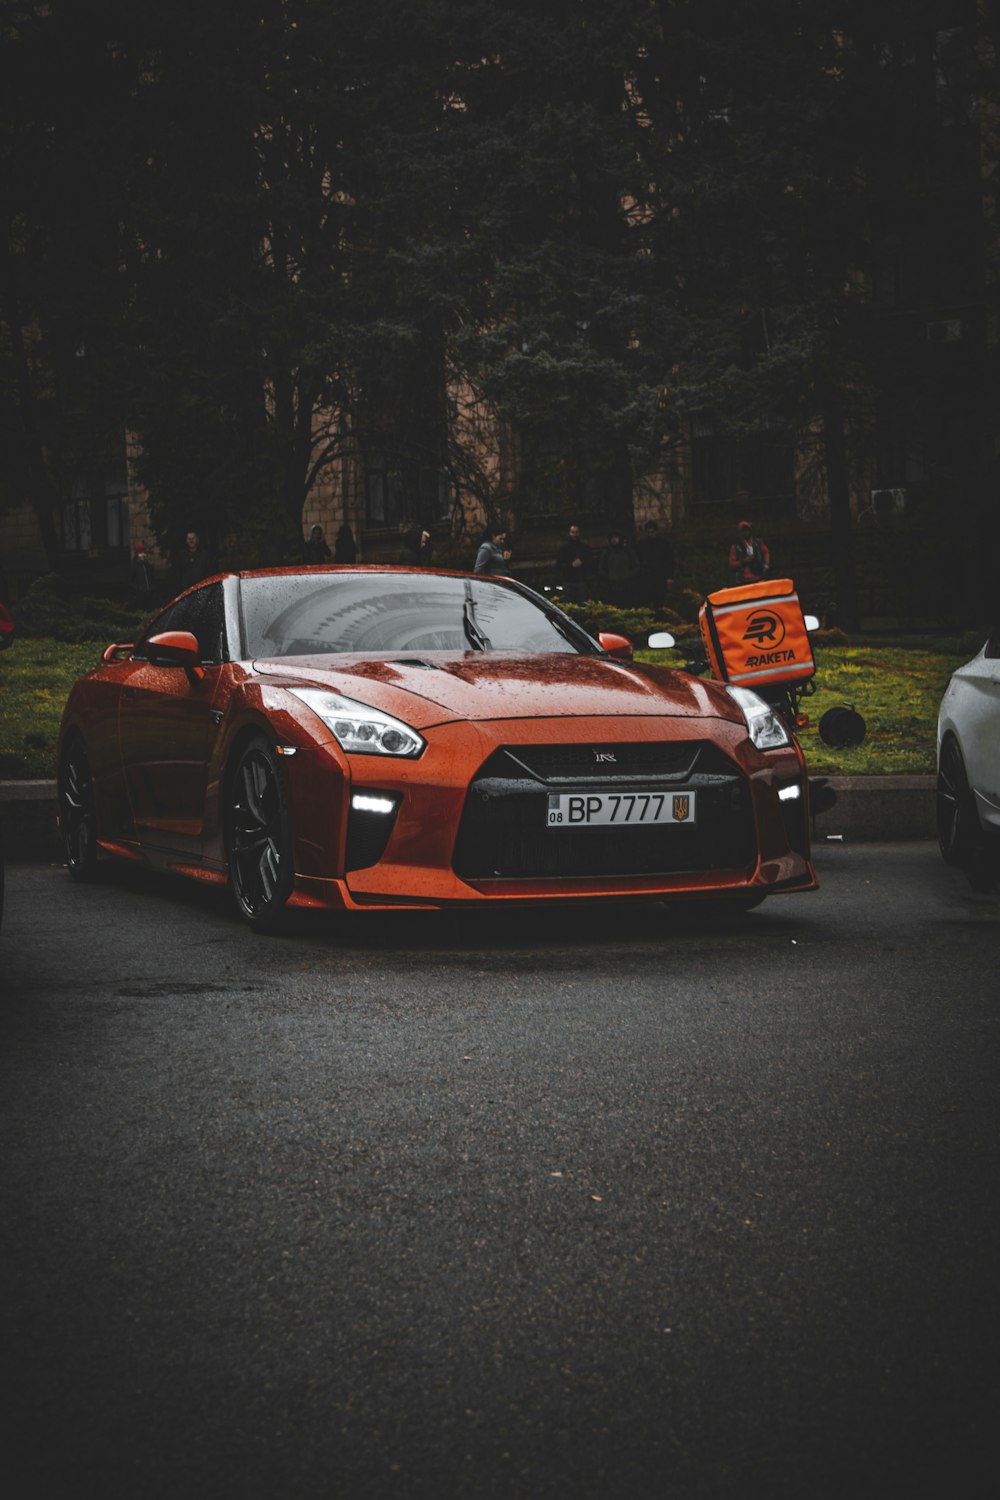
637	809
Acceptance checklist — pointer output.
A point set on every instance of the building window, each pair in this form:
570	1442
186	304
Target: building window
384	495
424	494
96	514
757	466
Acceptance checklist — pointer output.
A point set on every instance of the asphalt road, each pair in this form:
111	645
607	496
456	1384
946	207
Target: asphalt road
547	1205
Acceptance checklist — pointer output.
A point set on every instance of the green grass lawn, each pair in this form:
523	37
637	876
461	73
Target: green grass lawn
897	691
35	679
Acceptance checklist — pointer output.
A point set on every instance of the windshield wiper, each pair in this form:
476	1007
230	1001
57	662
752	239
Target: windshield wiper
473	634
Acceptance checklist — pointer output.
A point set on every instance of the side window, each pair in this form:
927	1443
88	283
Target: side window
201	613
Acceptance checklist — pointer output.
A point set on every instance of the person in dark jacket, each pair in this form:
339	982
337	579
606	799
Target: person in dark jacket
417	550
345	548
749	558
317	549
493	557
409	547
197	562
575	562
656	567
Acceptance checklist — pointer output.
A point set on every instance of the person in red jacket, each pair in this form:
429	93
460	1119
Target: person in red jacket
749	558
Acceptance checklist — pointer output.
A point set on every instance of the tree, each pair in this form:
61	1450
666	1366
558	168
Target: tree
61	198
287	234
546	176
751	132
285	313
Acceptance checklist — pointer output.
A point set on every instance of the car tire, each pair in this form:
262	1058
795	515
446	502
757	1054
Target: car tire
259	836
957	825
78	811
960	837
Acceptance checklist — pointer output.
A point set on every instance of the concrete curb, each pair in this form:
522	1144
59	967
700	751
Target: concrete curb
868	808
879	809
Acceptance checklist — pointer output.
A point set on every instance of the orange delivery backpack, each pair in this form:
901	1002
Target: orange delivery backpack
755	635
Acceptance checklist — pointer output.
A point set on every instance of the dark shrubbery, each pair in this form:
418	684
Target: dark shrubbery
833	636
49	609
636	624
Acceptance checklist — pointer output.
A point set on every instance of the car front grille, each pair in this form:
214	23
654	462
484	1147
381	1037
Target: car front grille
503	833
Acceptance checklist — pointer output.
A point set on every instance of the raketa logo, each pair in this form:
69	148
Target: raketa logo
770	658
764	625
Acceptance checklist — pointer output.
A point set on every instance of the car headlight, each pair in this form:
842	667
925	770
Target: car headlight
358	729
767	730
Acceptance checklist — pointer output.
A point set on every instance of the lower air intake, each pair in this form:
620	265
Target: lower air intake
503	833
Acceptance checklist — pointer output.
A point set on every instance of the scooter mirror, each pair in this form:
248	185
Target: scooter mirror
661	640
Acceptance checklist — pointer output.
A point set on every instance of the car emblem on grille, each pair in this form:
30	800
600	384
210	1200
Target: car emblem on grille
604	756
682	806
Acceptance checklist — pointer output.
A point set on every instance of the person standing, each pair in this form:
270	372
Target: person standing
619	567
493	557
416	550
656	567
345	548
575	562
409	547
317	549
749	557
197	563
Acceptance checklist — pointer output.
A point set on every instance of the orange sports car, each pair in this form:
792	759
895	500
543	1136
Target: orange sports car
360	737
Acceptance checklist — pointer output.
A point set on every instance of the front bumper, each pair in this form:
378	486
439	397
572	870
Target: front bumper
460	834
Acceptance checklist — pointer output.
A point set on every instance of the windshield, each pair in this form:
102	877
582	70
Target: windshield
310	614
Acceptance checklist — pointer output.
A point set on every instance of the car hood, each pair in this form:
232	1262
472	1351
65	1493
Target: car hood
441	688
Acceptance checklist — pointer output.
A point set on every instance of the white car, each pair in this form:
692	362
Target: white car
968	759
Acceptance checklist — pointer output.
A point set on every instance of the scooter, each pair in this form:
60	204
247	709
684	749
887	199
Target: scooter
756	636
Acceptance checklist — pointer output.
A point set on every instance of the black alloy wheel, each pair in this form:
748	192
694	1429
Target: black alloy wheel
961	839
78	811
259	836
956	815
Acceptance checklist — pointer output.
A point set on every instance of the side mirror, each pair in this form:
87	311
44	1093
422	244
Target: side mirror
661	640
175	648
618	646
